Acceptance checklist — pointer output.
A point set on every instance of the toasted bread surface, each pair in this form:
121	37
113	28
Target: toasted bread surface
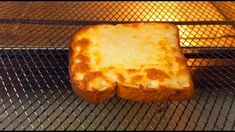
137	61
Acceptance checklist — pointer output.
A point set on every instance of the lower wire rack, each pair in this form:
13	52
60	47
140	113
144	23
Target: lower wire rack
35	90
36	95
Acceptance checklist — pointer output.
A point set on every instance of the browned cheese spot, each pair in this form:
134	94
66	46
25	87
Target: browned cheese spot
131	70
83	58
156	74
83	43
137	78
180	60
88	78
91	76
81	67
141	86
181	72
121	77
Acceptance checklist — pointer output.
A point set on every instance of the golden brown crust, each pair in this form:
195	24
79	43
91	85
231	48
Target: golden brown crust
133	93
144	94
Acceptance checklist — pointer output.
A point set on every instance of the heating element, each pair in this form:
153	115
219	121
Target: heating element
35	90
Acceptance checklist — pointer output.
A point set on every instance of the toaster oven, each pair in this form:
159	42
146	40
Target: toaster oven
35	90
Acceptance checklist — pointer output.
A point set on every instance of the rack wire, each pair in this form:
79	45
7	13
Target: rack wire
35	91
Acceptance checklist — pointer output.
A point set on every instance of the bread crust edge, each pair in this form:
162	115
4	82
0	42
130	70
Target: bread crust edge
144	94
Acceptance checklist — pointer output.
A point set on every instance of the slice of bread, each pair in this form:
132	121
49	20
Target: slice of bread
137	61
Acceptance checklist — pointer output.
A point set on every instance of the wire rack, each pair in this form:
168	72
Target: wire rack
35	91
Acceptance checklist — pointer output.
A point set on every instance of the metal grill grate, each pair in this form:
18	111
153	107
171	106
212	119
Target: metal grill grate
35	92
112	11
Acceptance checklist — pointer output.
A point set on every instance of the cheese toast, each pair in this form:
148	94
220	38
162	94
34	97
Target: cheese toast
137	61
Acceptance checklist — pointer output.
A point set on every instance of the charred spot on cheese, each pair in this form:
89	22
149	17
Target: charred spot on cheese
156	74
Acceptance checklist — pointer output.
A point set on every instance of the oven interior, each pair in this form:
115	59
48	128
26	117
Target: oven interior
35	91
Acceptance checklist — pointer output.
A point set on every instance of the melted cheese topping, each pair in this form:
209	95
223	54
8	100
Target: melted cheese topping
114	50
